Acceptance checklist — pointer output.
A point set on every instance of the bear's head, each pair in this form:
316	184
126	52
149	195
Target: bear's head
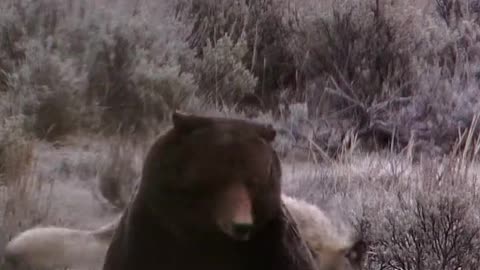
208	175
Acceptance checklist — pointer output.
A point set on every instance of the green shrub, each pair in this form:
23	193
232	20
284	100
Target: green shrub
44	88
265	27
130	86
221	75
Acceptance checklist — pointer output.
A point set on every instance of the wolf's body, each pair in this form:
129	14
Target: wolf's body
60	248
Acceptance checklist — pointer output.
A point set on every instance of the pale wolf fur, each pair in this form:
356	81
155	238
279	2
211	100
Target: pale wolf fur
335	248
60	248
55	247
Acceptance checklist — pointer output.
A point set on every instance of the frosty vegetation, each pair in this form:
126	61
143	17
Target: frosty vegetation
376	103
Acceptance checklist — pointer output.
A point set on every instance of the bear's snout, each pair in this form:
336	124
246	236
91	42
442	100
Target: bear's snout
238	221
13	261
242	231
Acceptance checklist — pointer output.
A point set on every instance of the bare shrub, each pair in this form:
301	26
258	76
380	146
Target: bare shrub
392	80
413	215
453	11
360	60
446	102
435	232
362	54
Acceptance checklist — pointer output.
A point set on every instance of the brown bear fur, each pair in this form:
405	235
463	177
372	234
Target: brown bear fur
192	180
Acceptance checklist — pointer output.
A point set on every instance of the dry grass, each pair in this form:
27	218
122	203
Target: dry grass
119	173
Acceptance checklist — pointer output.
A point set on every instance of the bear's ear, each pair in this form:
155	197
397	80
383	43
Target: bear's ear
357	252
267	132
187	122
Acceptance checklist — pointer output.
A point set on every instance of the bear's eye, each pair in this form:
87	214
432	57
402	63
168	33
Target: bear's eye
256	184
252	184
201	186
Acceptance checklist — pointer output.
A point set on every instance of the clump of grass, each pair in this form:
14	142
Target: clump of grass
118	175
54	118
16	154
22	202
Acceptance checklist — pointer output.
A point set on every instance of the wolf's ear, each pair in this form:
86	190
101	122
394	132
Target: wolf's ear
187	122
356	254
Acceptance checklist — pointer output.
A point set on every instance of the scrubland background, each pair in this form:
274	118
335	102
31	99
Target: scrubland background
376	103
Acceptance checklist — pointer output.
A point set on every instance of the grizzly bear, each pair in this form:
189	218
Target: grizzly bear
209	198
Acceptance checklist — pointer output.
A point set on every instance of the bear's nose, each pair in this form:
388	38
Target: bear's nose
11	262
242	230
